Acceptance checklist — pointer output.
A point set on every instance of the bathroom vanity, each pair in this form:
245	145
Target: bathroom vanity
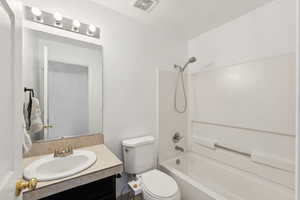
94	183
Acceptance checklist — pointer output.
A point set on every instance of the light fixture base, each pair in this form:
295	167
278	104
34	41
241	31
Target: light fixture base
56	20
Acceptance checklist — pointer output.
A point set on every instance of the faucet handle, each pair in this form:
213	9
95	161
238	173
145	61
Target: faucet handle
56	152
177	137
63	151
70	149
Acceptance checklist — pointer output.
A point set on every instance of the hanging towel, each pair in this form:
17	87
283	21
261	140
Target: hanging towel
32	113
27	143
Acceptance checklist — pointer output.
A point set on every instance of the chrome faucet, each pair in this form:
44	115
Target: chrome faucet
63	152
178	148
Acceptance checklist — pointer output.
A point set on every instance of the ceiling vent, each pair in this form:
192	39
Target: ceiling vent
145	5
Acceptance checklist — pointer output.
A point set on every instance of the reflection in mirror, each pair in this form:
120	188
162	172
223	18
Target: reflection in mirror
63	80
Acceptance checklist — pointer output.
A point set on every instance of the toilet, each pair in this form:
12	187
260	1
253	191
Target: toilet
139	159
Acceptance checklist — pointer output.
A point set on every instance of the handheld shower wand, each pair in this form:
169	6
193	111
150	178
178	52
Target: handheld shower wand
180	78
191	60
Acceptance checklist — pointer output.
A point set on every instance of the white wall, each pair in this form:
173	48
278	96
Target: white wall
243	90
131	54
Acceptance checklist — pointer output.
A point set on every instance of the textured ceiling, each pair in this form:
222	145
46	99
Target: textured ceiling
188	17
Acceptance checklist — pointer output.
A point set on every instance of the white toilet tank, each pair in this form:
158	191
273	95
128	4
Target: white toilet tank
139	154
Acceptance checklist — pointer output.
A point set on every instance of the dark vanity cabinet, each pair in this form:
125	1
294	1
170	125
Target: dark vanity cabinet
104	189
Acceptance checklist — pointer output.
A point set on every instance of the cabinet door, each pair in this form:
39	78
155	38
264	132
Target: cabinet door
11	135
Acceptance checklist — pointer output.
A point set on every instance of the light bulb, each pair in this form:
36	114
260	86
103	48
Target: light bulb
92	29
36	11
57	16
37	14
76	24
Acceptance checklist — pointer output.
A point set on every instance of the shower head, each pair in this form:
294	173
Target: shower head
191	60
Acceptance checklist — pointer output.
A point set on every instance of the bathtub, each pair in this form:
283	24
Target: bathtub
200	178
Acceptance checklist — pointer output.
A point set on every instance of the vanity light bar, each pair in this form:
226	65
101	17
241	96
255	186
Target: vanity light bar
57	20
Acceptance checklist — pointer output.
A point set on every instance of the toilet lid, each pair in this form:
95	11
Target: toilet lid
159	183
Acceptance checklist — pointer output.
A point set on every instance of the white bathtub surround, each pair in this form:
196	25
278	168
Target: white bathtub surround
255	156
207	180
250	108
242	96
257	95
264	32
273	161
209	143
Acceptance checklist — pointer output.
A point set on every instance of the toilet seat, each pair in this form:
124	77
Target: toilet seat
158	185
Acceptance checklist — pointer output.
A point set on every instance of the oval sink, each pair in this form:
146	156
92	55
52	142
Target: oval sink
51	168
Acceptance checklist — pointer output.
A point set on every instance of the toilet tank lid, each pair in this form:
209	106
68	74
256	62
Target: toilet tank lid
134	142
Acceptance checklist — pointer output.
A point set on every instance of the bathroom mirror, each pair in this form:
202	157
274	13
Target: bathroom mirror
63	86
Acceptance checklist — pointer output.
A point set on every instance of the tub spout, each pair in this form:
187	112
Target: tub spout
178	148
